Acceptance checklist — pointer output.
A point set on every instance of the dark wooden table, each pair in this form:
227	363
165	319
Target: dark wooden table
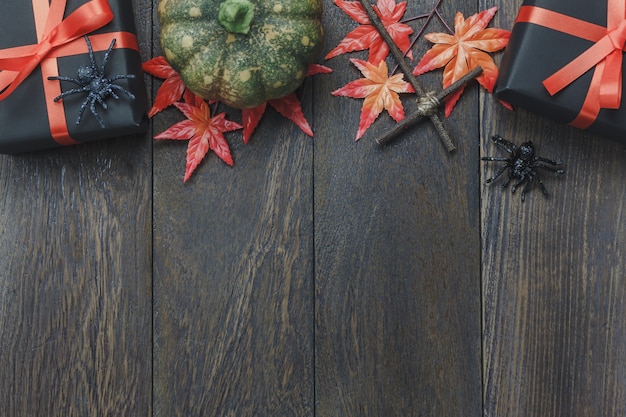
318	277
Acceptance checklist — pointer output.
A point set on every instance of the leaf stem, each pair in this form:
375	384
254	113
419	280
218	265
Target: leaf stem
399	56
448	28
428	16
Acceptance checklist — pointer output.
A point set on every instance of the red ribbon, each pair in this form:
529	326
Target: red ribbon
605	90
52	33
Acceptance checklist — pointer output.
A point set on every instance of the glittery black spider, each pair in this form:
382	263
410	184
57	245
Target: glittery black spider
92	80
522	165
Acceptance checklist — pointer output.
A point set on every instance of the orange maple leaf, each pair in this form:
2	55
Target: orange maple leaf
465	50
379	91
366	36
203	132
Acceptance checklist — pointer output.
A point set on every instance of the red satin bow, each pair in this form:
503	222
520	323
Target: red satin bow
605	55
17	63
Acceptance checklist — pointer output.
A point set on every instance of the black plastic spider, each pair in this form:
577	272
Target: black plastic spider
92	80
522	165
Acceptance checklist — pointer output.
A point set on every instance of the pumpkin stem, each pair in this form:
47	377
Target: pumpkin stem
235	15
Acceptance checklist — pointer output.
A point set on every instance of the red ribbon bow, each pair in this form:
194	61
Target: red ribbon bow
18	63
605	90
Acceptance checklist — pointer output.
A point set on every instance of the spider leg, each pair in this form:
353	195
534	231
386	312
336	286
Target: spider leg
495	159
550	168
91	102
95	113
122	89
520	182
497	174
507	182
510	147
121	77
100	100
92	57
526	188
548	161
106	55
83	106
69	92
68	79
543	187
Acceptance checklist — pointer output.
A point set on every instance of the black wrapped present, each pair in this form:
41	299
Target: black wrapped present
564	60
44	53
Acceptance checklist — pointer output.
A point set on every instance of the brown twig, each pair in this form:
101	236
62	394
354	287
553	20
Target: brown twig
404	67
428	103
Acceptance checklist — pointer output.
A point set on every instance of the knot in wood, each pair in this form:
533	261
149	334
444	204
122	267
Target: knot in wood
428	103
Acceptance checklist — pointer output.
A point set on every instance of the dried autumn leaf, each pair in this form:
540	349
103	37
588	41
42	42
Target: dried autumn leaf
172	88
379	91
288	106
366	36
465	50
203	132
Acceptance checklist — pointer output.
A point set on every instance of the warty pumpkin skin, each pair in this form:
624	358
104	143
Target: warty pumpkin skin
221	57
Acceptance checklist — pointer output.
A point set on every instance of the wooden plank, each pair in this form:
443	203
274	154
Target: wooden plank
233	276
397	254
554	269
75	285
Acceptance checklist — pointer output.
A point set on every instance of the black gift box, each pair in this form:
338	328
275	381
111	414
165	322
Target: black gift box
24	121
535	52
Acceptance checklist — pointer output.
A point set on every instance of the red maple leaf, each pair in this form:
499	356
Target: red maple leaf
203	132
366	36
465	50
379	91
288	106
172	88
315	69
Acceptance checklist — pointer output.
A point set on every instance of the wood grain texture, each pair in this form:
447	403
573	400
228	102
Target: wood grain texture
397	254
233	275
75	280
553	277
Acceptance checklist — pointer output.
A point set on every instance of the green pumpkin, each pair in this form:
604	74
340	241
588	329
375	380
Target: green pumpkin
241	52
